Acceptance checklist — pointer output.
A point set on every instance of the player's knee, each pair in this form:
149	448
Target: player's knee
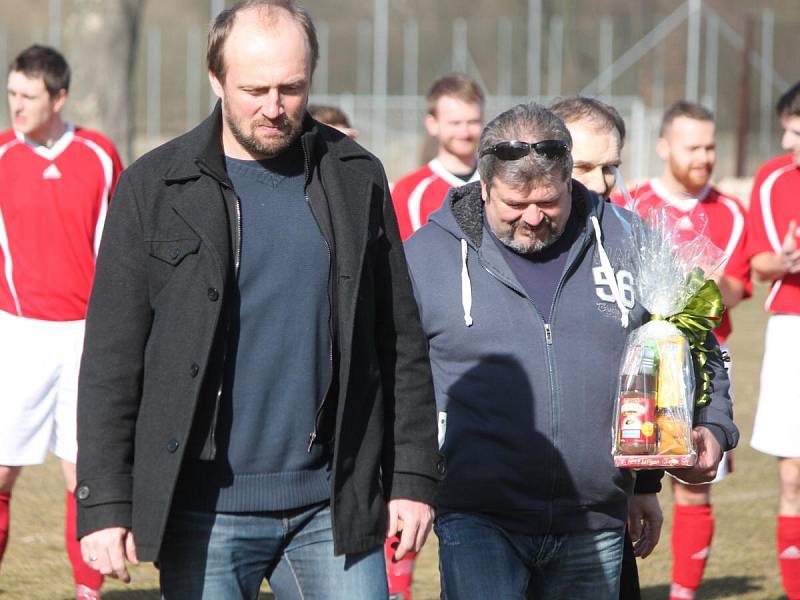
8	475
691	495
790	485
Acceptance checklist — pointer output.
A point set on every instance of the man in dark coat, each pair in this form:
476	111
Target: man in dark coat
255	386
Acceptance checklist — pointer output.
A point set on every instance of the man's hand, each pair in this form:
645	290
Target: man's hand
644	523
107	549
769	266
413	521
790	255
709	454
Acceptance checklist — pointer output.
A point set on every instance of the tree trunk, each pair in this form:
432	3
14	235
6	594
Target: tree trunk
100	40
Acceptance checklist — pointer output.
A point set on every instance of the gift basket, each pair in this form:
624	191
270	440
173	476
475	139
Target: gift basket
657	390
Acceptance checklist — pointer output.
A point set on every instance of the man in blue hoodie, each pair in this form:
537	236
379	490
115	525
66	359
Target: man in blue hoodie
525	335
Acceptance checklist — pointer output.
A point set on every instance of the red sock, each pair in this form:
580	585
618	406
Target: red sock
82	573
692	530
789	554
5	519
399	572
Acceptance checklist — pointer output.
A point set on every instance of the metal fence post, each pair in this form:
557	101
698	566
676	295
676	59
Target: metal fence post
410	72
505	31
321	77
555	43
364	51
194	86
639	149
693	49
606	55
712	61
55	23
460	51
534	41
380	74
153	84
767	49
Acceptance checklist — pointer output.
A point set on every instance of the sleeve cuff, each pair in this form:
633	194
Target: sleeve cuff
102	516
719	434
413	487
648	482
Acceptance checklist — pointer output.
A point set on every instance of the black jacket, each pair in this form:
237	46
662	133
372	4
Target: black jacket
156	327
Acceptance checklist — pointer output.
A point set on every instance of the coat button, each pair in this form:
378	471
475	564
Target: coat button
213	294
441	468
194	369
172	445
82	493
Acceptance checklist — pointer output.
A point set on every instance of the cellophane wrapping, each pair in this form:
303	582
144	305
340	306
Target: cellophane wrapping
656	386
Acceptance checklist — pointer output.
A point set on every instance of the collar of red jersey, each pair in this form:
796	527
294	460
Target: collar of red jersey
49	152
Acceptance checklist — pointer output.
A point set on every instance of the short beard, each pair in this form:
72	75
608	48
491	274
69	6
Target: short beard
534	245
255	147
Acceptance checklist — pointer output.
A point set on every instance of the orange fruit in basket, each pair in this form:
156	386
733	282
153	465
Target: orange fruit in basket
672	435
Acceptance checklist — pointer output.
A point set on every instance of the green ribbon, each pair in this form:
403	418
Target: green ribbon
701	314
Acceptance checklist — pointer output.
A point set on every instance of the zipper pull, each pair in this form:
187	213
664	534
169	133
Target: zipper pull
311	437
548	334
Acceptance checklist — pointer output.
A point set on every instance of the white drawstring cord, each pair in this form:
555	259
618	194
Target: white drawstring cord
605	264
466	285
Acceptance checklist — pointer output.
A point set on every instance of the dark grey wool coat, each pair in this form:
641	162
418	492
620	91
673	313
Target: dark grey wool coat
156	328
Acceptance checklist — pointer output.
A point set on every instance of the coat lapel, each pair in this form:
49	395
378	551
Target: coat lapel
347	192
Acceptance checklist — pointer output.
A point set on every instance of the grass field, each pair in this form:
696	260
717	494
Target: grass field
742	563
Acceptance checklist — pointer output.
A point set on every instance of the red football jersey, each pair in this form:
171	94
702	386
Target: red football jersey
774	202
53	203
719	217
421	193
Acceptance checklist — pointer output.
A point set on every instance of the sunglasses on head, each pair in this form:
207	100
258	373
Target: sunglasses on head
514	149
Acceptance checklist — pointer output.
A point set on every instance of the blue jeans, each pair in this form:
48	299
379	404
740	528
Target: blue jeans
478	559
209	556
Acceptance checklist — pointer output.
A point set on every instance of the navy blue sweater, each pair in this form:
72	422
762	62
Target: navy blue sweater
278	363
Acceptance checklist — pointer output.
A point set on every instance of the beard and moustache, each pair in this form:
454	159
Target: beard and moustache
533	245
271	147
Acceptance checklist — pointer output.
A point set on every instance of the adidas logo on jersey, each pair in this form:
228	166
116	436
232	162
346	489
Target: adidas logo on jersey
51	172
702	554
792	552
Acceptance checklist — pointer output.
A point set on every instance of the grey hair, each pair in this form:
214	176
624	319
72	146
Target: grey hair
527	123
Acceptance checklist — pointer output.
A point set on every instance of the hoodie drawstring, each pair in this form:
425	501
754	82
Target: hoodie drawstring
605	264
466	285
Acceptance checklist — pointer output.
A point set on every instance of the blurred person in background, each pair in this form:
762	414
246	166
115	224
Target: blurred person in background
687	146
255	396
772	244
454	120
334	117
598	135
55	183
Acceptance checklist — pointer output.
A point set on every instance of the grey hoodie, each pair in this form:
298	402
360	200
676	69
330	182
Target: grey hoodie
525	407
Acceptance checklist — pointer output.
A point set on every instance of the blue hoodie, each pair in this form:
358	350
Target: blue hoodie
526	406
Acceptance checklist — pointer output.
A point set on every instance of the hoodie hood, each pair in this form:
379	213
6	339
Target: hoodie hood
462	215
462	211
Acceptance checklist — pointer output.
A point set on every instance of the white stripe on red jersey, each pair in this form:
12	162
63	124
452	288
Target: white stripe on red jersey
773	204
421	193
53	202
719	217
